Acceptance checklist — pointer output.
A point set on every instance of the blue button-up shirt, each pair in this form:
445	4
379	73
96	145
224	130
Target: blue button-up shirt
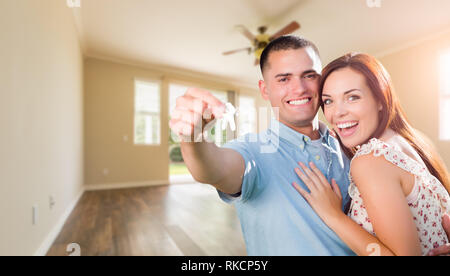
275	218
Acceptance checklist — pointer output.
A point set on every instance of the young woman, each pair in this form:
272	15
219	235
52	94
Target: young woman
398	184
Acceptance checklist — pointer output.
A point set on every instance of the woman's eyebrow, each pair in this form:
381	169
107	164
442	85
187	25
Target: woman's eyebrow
346	92
351	90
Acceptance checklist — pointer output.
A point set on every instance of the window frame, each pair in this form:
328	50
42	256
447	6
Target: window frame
444	92
160	86
443	98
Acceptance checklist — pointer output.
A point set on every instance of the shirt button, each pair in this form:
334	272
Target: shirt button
317	157
302	147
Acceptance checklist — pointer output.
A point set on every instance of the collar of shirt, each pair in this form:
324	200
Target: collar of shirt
296	138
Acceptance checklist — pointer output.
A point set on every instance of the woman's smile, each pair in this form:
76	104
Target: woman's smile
347	129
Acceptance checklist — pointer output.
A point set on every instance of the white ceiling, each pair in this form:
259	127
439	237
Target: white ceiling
192	34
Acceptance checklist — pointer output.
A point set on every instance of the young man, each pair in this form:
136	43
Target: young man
257	176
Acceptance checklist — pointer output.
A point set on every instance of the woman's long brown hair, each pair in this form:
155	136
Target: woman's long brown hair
392	115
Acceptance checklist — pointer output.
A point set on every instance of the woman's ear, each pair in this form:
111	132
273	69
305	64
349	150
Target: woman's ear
380	106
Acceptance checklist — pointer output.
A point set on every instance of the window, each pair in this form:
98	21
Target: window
147	113
444	116
247	115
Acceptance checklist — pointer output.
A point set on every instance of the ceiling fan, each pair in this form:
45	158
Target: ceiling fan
261	40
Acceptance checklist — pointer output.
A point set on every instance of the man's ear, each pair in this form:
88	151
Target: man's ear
263	90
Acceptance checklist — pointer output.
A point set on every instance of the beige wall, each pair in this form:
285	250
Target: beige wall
109	116
415	73
41	105
109	107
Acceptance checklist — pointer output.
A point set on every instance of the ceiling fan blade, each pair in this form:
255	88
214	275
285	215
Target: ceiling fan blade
246	33
237	50
286	30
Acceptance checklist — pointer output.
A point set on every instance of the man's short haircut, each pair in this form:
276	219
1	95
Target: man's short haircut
286	42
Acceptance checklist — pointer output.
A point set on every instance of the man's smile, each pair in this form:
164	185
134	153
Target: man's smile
299	101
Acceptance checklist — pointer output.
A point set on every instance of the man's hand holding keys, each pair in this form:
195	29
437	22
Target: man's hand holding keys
193	112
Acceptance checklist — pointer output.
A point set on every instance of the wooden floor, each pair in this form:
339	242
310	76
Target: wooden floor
175	220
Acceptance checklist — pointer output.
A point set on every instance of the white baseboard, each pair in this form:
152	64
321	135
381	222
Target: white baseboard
125	185
51	237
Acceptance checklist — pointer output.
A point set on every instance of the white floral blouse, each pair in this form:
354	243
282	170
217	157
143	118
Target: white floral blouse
428	201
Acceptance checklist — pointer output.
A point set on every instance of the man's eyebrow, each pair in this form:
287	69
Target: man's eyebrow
309	72
346	92
283	75
290	74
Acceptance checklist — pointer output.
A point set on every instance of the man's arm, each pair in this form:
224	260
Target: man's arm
222	168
